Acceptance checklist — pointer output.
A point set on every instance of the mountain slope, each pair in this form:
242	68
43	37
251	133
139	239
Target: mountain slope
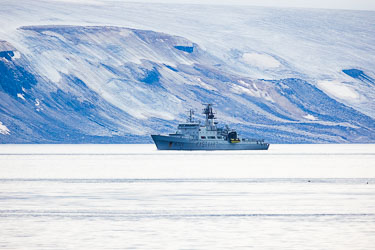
112	84
73	73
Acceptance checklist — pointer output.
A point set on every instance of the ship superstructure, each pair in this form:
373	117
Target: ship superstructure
192	135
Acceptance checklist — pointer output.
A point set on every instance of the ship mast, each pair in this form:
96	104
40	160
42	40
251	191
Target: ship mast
210	116
191	114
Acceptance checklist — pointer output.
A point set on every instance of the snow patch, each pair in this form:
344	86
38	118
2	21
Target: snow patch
205	85
37	102
48	70
338	89
125	33
242	90
243	83
19	95
262	61
3	129
54	34
310	117
16	55
251	90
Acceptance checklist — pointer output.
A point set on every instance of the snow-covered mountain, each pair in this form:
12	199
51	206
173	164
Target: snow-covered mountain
111	72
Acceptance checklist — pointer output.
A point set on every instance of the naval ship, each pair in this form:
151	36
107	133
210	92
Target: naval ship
192	135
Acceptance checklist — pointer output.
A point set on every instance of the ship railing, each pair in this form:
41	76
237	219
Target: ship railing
176	134
258	141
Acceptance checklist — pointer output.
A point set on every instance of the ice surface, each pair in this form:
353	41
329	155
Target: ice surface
135	197
144	161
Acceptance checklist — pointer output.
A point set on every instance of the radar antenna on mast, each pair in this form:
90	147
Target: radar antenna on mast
208	111
191	116
210	116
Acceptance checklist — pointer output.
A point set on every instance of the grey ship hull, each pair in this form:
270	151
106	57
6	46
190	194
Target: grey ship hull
163	142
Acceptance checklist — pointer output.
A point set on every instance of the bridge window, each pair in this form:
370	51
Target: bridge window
211	137
203	137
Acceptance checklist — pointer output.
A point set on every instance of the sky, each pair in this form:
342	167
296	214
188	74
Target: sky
325	4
